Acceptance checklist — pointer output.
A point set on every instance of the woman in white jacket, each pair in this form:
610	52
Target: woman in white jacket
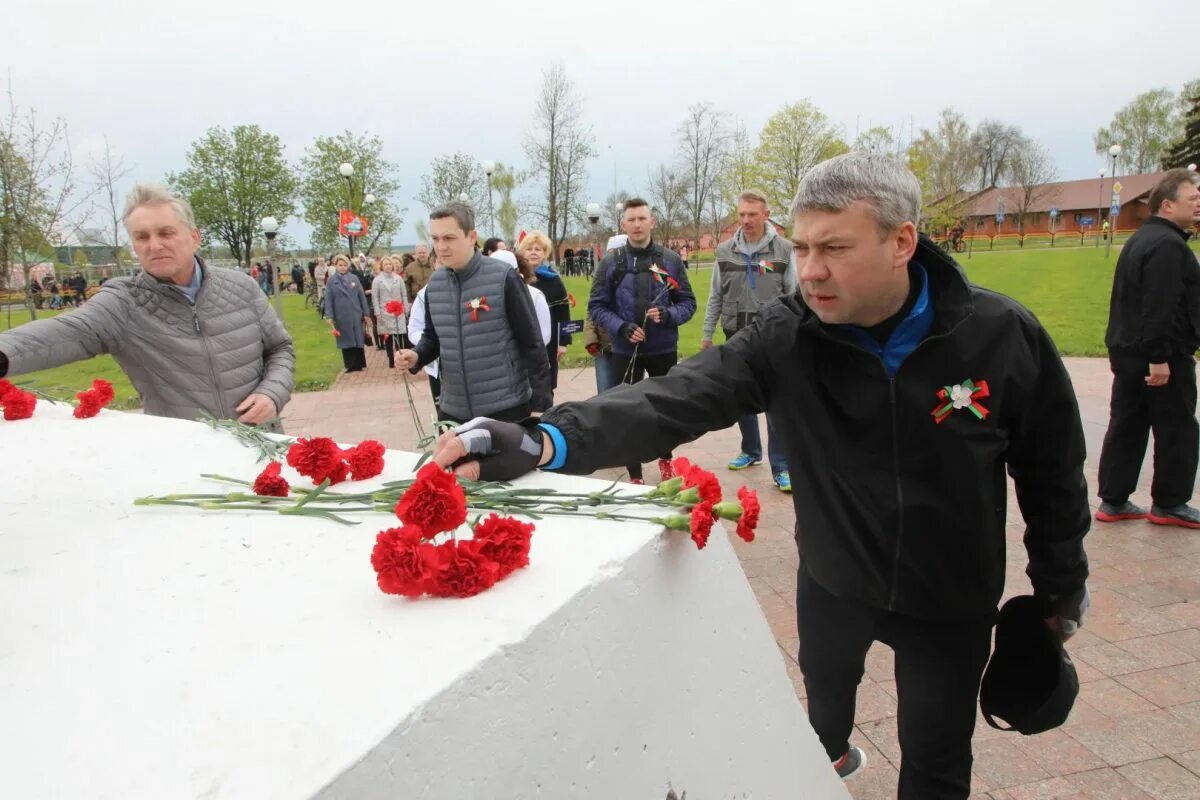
539	300
389	286
416	328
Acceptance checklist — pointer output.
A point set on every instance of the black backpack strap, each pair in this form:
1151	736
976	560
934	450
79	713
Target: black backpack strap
620	267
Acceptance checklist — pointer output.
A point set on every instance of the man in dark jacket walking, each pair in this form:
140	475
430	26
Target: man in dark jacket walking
1153	332
640	298
902	394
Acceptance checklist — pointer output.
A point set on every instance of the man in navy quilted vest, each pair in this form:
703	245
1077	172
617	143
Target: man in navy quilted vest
480	322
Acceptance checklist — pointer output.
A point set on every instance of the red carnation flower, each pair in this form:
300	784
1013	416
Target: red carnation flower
5	388
269	483
104	389
339	473
701	523
462	570
394	307
434	503
335	331
89	404
18	404
366	459
317	458
402	561
706	484
506	541
750	511
681	466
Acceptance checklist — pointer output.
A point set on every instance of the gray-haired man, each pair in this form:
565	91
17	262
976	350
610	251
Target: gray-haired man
901	394
191	338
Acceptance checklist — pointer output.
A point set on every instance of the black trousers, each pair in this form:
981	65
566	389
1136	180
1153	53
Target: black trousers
643	366
354	359
552	354
435	388
394	342
1135	409
938	670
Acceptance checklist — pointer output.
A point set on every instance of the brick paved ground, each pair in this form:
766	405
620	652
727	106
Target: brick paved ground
1135	731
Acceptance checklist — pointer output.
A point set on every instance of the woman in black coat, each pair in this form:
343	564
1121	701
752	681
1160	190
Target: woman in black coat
535	248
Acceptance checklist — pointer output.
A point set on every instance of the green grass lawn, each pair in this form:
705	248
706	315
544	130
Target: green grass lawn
317	358
1067	289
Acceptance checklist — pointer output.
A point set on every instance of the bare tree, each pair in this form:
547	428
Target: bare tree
668	196
108	171
1031	169
452	176
37	188
702	142
992	145
558	148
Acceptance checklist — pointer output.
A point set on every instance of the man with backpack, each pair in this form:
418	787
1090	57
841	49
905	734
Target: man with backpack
640	297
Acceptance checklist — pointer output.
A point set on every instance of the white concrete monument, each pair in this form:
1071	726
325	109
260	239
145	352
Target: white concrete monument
168	653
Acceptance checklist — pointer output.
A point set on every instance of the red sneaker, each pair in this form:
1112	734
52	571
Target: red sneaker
637	481
665	469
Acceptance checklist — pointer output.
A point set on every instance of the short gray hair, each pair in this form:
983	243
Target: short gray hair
459	212
882	182
153	194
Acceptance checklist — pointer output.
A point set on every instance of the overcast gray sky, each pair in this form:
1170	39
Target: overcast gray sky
433	78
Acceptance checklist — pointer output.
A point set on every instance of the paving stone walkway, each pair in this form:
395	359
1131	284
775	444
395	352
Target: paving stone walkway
1135	730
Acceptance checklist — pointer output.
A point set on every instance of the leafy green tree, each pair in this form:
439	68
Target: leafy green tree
795	139
1144	128
323	190
235	178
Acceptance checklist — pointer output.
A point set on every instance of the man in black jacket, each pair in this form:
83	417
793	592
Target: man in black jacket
1153	332
901	394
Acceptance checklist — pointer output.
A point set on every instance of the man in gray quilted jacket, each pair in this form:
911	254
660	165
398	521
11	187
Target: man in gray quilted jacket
190	337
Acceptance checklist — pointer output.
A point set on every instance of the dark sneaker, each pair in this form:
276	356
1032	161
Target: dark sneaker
1110	512
850	764
1184	516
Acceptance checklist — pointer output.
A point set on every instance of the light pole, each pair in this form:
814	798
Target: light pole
1099	204
593	215
489	167
270	227
1113	152
346	170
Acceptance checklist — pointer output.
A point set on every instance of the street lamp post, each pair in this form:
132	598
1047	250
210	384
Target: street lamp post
489	167
346	170
1113	152
593	215
270	227
1099	204
619	208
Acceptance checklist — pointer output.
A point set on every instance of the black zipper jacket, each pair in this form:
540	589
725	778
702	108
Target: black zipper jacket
1154	311
893	508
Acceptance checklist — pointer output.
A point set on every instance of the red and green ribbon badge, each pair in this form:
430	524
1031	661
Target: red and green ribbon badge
764	267
965	395
477	304
663	276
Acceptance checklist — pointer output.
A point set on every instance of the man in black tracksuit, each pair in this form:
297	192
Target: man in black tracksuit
902	394
1153	332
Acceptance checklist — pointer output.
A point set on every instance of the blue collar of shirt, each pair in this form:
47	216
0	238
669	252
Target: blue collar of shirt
192	289
908	333
545	272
